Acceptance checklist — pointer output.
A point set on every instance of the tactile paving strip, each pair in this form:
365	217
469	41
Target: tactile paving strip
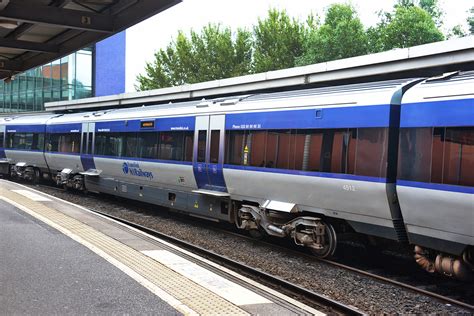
197	298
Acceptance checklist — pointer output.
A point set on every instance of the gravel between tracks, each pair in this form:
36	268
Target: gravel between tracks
367	294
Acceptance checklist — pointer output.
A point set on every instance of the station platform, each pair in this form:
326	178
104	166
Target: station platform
60	258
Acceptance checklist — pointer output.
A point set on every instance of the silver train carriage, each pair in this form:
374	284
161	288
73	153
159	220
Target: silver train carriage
302	164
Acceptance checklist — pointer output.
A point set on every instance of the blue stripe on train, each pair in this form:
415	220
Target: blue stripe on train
2	153
161	124
64	128
436	186
438	113
341	117
25	128
309	173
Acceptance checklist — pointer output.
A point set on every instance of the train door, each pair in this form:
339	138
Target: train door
87	146
208	155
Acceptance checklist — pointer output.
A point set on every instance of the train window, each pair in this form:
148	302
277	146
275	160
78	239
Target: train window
458	161
27	141
1	140
108	144
64	143
148	145
214	149
84	143
283	149
255	143
437	155
89	144
201	150
414	154
171	146
235	141
188	146
371	159
38	141
437	149
343	151
129	145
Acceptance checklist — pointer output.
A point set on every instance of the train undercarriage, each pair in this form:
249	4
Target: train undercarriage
313	232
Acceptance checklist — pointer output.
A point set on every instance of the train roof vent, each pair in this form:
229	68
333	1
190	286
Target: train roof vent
229	102
204	103
445	76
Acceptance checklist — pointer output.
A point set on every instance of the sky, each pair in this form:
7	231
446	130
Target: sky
145	38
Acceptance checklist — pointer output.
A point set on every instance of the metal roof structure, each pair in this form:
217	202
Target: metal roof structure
35	32
418	61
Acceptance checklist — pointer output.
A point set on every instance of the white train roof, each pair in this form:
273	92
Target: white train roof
27	119
363	94
450	86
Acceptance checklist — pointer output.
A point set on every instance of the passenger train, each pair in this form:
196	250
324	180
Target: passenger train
388	160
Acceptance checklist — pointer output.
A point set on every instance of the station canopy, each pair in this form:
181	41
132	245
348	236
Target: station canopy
35	32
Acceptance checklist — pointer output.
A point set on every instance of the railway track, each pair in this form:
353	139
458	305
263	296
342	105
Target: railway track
297	290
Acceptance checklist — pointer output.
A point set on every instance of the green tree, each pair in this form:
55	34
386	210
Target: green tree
342	35
214	53
470	21
456	31
432	7
407	26
278	41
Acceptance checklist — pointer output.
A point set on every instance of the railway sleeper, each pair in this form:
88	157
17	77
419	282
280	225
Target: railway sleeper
311	232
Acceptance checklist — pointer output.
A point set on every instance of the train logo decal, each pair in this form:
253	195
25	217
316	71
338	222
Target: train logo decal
125	168
133	169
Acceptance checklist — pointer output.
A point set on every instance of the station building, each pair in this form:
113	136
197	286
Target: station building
97	70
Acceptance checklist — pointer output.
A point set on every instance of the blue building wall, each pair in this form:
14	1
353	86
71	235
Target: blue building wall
110	65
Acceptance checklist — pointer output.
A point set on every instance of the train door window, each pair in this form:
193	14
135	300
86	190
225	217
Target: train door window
458	156
256	141
188	146
414	159
201	150
89	147
372	148
84	143
1	139
235	147
214	149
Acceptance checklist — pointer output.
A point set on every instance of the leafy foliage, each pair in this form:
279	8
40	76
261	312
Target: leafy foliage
407	26
342	35
278	39
212	54
470	21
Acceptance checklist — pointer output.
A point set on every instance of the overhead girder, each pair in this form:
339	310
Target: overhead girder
49	15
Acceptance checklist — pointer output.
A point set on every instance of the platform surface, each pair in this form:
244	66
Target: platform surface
59	258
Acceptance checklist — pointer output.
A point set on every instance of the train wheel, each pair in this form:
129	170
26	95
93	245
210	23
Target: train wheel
329	247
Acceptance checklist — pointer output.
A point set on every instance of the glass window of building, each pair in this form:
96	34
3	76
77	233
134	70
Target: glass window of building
68	78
